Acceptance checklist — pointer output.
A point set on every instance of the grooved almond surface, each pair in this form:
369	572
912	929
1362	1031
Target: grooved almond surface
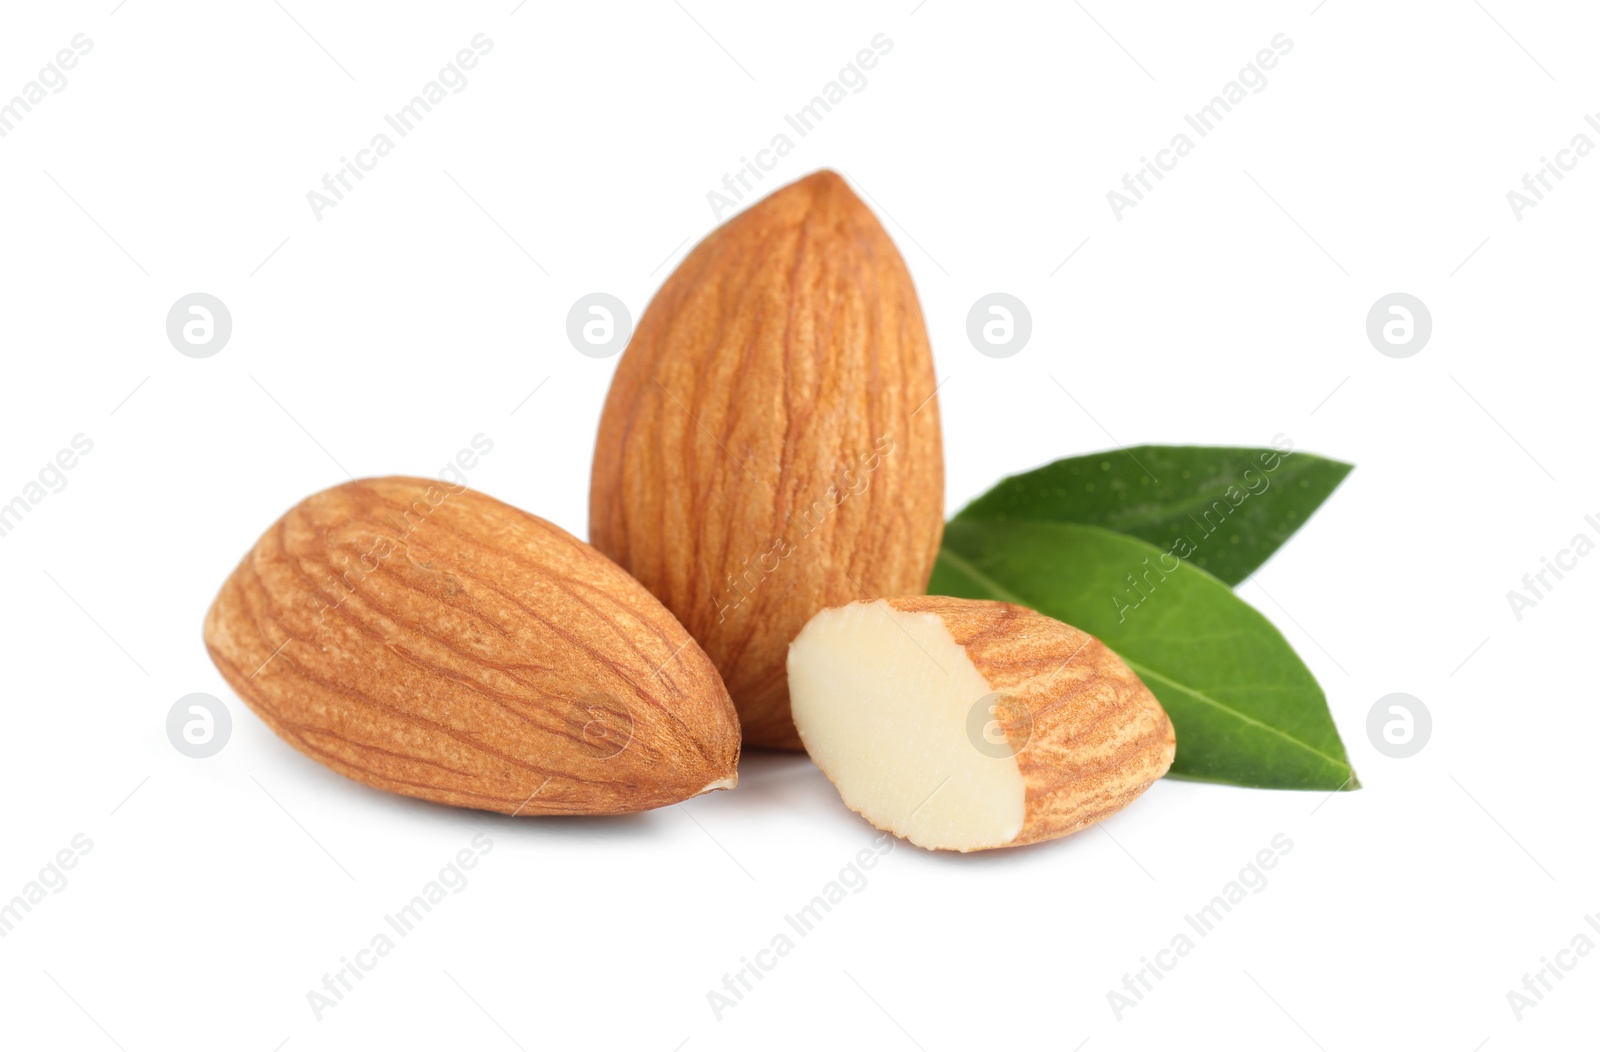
967	724
770	444
432	641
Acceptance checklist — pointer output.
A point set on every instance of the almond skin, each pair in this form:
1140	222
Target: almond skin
432	641
965	724
770	445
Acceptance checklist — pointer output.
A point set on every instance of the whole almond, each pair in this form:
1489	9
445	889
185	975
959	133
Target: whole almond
770	445
432	641
966	724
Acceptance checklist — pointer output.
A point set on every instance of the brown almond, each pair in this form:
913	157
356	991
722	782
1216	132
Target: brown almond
432	641
770	445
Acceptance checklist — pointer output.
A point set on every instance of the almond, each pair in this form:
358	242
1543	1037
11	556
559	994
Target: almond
432	641
966	724
770	445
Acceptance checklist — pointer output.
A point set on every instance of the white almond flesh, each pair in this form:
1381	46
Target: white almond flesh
964	724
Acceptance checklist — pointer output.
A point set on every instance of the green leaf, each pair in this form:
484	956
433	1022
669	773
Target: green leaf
1234	506
1246	709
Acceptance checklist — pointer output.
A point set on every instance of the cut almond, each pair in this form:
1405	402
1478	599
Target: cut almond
964	724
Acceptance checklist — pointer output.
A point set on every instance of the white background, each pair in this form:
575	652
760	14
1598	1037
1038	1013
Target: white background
1226	308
